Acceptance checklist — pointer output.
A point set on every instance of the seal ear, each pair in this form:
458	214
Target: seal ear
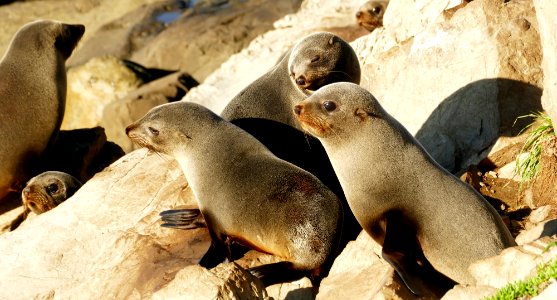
361	114
332	40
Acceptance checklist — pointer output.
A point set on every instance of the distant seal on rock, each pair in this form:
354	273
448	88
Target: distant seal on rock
46	191
32	96
316	60
397	191
245	193
370	15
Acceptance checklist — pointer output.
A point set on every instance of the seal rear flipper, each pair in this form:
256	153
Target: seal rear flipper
277	273
190	218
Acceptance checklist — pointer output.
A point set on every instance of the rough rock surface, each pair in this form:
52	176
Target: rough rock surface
498	74
545	12
361	268
225	281
109	228
94	85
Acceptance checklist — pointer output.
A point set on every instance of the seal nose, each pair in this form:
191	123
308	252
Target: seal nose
358	14
298	109
301	81
26	192
129	128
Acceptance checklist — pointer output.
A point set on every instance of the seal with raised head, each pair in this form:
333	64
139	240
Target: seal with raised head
32	96
370	15
316	60
44	192
245	193
397	191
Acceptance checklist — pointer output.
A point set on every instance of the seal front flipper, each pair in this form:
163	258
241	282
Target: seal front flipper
277	273
190	218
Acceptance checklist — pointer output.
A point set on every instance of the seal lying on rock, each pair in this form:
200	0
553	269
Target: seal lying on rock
397	191
44	192
32	96
245	193
370	15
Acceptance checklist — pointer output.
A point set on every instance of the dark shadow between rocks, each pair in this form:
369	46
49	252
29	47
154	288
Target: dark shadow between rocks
302	293
467	123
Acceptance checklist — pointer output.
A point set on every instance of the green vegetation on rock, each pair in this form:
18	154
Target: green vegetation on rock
529	166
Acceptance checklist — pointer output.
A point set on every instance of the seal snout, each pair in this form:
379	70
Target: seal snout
298	109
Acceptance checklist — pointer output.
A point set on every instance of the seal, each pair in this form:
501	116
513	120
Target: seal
44	192
264	109
245	193
397	191
316	60
32	97
370	15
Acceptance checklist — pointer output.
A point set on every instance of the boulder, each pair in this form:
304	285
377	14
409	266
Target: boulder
359	272
94	85
545	13
406	66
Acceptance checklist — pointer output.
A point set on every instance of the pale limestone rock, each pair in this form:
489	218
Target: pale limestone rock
105	242
546	12
441	82
460	292
94	85
359	273
550	293
517	263
547	228
225	281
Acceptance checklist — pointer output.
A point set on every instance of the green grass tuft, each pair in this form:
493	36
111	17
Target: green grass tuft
529	287
529	167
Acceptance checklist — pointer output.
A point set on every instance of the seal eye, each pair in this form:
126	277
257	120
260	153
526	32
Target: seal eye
52	188
315	58
376	10
329	106
153	131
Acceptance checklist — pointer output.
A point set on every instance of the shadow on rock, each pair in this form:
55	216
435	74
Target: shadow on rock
467	123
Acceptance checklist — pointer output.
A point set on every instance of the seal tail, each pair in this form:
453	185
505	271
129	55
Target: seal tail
189	218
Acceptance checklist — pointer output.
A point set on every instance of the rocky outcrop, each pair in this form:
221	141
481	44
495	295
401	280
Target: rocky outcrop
545	12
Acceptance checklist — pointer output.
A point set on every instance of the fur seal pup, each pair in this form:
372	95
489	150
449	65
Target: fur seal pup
370	15
44	192
245	193
32	96
316	60
390	181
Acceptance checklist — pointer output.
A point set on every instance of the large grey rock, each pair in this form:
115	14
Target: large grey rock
457	83
545	12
